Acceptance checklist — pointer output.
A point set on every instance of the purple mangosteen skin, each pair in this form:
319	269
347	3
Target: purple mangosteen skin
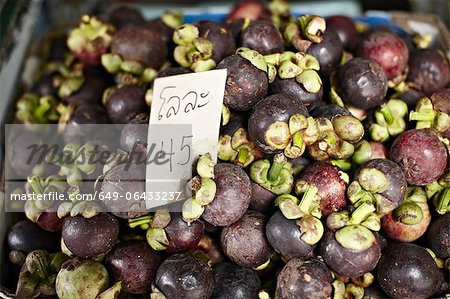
330	186
183	237
135	265
348	262
285	237
421	156
304	278
233	195
244	242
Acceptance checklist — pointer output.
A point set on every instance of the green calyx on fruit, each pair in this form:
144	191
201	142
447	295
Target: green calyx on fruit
275	177
348	128
42	186
362	153
427	117
237	148
172	19
305	213
312	27
409	211
128	71
203	190
92	35
193	51
111	293
74	160
83	278
38	274
32	109
355	237
389	120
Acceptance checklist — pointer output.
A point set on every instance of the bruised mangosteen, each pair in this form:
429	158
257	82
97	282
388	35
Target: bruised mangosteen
304	278
361	83
350	251
134	263
244	242
124	103
421	156
246	85
263	37
233	195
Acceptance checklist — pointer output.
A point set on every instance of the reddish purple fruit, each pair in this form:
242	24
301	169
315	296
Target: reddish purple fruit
330	186
421	156
140	44
251	9
345	260
184	276
386	49
400	232
90	237
285	236
263	37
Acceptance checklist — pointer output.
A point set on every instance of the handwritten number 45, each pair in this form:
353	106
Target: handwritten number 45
185	148
189	102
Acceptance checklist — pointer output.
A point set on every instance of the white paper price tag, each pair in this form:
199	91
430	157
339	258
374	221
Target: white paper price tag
184	124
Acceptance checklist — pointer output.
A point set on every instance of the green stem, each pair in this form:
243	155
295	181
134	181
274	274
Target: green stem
35	183
387	114
140	221
243	154
362	212
297	140
443	202
422	116
308	199
277	165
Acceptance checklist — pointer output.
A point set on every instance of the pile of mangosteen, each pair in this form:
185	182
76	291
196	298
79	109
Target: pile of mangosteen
332	179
